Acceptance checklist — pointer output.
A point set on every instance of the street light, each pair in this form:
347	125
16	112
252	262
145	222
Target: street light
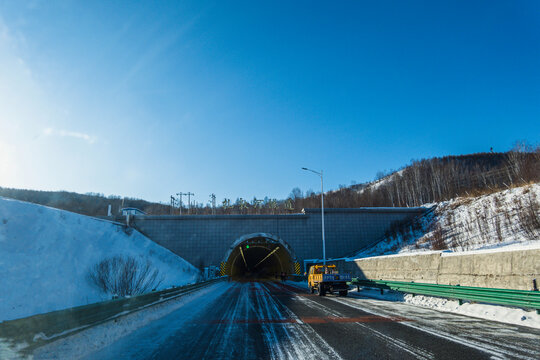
322	211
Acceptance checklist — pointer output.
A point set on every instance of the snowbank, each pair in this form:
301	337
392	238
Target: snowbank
374	185
45	255
498	313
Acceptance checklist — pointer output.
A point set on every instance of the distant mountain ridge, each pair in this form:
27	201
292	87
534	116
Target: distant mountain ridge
90	204
421	182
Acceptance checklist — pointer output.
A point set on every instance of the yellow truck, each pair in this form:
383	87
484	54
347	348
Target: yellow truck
326	278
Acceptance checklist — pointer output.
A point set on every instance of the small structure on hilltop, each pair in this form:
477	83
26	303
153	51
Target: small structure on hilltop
131	211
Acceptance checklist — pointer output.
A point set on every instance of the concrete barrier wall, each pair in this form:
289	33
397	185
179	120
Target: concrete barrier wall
512	269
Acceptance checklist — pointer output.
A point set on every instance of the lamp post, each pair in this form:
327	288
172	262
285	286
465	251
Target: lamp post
322	211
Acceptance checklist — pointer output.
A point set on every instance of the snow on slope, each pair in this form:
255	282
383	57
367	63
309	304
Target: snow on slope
509	218
45	255
374	185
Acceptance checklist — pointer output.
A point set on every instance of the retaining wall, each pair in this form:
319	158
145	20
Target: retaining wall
512	269
205	240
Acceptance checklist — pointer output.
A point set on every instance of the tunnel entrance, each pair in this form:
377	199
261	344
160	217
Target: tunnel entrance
260	256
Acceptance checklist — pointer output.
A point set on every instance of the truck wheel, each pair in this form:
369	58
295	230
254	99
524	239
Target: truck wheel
321	290
311	289
343	293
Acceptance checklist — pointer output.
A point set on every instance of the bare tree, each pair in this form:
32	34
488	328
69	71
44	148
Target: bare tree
296	193
124	276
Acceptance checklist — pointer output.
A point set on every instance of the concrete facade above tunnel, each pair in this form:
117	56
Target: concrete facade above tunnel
204	240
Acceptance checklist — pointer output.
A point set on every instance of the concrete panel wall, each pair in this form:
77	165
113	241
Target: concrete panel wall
505	269
512	269
204	240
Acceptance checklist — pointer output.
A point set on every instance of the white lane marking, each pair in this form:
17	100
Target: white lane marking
500	353
460	322
301	338
402	345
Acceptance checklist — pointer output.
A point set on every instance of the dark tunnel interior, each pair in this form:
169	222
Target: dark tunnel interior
259	259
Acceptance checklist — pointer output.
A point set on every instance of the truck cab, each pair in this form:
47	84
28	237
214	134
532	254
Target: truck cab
326	278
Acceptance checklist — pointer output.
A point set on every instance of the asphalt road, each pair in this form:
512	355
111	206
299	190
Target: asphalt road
267	320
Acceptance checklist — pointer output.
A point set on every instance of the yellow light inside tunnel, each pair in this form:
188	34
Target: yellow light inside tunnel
267	256
263	260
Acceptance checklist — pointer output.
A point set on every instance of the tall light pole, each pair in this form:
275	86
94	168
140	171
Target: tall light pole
322	212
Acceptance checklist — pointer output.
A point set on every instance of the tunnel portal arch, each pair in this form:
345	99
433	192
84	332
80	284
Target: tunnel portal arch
259	255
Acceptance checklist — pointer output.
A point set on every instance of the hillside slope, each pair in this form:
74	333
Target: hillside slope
45	256
438	179
91	204
509	218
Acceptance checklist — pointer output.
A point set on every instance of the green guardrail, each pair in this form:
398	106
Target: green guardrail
28	333
518	298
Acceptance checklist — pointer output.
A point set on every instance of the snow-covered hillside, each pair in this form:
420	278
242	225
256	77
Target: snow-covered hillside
510	218
376	184
45	256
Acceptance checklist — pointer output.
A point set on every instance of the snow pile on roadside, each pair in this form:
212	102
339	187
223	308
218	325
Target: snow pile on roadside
484	311
46	253
509	218
498	313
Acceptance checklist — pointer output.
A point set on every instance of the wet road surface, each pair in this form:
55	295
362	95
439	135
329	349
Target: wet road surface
268	320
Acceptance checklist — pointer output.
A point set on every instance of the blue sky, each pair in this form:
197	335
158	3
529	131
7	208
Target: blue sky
148	99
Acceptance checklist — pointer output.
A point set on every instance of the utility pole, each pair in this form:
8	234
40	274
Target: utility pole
213	201
180	200
189	200
172	203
